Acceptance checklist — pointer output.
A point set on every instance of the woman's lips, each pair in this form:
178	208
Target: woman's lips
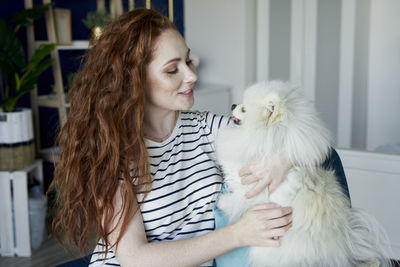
187	93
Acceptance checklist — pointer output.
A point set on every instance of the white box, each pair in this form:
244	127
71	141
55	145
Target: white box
14	226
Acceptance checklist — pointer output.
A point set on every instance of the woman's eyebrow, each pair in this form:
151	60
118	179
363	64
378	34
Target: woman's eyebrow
177	58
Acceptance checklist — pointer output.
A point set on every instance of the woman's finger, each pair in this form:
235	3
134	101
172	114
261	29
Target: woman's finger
246	170
279	222
274	185
249	179
279	232
277	213
257	189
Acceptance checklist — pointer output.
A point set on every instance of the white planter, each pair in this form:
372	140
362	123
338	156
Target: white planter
16	127
17	148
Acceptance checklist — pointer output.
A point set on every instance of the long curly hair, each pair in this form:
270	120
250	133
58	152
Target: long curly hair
102	138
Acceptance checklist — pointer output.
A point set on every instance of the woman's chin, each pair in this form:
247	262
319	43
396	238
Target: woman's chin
188	105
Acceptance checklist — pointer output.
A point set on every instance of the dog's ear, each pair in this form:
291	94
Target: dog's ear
267	112
272	105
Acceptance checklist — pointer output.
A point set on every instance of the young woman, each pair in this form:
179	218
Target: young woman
139	169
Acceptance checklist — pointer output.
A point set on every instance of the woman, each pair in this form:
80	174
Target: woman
138	169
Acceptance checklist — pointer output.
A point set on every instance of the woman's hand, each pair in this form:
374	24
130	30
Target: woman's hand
266	172
264	225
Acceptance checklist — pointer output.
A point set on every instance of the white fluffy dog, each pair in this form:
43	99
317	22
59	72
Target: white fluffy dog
325	230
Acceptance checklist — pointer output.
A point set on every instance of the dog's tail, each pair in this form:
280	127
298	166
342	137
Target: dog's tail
368	240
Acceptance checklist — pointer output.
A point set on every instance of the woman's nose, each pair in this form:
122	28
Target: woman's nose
191	75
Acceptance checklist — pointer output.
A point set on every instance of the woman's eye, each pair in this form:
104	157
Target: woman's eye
173	71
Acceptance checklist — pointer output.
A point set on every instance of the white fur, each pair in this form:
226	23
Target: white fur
325	230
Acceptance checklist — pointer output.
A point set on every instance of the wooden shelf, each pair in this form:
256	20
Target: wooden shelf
57	99
50	101
75	45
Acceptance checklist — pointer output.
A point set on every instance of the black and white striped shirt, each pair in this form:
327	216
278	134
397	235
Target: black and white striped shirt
186	183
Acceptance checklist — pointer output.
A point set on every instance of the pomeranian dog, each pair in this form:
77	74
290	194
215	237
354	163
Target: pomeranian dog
326	231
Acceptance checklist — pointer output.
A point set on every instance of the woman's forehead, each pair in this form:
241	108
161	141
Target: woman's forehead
168	45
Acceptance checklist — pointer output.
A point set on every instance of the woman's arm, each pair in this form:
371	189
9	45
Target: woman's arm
272	171
257	228
267	172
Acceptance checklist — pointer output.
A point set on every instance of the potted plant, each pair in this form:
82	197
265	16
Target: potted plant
95	22
17	78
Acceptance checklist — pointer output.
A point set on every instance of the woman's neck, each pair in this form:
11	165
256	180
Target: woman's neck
159	124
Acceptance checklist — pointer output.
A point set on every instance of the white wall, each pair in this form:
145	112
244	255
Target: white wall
360	77
327	69
384	74
279	37
222	34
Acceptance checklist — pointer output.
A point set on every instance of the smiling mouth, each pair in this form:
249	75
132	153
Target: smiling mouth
186	92
235	120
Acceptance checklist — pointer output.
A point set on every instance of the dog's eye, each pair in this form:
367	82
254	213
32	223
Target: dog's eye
242	109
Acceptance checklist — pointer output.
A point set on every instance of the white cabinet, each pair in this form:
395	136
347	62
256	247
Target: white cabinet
374	180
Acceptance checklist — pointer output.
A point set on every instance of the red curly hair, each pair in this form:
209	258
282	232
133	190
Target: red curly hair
103	136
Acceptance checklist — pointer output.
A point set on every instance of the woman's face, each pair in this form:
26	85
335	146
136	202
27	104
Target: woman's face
171	74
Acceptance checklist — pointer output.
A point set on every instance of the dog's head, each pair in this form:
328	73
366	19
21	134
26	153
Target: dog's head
263	105
281	118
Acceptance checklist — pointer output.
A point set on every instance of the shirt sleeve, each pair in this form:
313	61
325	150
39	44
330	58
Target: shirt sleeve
215	123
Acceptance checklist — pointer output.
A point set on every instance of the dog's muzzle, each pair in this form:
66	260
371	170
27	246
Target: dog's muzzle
235	120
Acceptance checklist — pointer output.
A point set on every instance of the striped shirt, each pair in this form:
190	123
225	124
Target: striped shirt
186	183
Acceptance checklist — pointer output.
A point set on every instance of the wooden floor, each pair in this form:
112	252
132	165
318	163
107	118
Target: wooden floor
51	253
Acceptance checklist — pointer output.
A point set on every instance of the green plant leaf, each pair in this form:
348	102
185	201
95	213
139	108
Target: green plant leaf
30	78
18	76
11	50
97	18
17	82
40	53
27	16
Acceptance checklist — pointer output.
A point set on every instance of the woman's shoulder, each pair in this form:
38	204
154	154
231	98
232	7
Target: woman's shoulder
194	115
200	116
205	118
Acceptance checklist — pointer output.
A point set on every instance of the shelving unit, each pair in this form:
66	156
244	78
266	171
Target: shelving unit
75	45
58	99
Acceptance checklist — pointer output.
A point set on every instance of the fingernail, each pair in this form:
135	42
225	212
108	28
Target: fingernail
277	205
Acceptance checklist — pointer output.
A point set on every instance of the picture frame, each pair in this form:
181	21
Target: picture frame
62	19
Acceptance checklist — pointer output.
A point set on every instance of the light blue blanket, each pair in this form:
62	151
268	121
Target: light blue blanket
234	258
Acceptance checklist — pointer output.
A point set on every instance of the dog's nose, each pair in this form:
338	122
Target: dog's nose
234	106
